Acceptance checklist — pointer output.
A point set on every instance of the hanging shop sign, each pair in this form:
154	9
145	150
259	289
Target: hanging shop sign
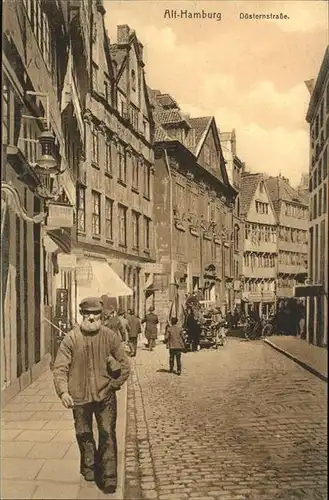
60	215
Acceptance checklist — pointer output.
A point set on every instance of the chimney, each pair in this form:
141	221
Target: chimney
310	85
233	142
141	50
123	32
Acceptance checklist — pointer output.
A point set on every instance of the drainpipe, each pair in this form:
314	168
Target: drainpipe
171	216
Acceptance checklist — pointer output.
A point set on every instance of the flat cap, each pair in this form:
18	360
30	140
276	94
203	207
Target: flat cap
91	304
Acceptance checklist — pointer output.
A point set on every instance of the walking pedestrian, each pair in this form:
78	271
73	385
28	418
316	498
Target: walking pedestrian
301	319
124	323
135	329
111	320
151	321
175	343
91	365
193	330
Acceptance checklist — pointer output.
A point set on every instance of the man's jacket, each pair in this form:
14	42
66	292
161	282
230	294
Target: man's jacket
151	320
175	337
135	326
81	365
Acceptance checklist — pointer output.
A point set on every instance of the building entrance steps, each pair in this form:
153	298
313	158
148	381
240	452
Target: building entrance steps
311	357
40	457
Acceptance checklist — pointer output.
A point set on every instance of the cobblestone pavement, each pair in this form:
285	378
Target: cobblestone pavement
244	422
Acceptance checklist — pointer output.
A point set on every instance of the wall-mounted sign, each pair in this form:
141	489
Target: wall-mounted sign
60	215
153	268
66	260
62	298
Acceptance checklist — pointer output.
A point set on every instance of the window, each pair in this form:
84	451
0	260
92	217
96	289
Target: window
146	171
134	116
322	251
135	227
40	27
314	207
180	196
325	198
145	128
133	80
122	163
325	160
237	206
122	212
236	238
81	207
261	187
5	112
320	203
135	170
206	155
108	157
261	208
96	213
94	75
108	218
211	212
146	233
107	89
94	145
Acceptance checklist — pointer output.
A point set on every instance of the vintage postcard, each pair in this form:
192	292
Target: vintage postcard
164	249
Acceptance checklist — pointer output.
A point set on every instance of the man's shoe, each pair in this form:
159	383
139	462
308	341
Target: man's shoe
178	373
108	490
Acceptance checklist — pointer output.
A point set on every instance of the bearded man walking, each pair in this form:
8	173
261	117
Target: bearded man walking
91	365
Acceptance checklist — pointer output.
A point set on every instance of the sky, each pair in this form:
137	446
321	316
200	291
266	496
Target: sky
249	74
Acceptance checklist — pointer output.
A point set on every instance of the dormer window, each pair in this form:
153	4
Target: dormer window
133	80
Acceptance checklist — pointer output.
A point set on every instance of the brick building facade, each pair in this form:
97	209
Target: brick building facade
260	244
318	119
193	210
291	211
115	184
36	62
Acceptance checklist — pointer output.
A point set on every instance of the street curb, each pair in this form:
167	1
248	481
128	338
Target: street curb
121	464
298	361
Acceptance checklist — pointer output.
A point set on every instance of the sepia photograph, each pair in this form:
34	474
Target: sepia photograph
164	249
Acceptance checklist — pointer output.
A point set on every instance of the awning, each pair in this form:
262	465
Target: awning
97	278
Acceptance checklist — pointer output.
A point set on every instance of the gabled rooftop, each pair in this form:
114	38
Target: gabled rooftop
279	189
249	184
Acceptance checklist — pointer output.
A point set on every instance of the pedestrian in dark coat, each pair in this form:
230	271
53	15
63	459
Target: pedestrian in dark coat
175	343
193	328
135	329
151	321
91	365
111	320
124	324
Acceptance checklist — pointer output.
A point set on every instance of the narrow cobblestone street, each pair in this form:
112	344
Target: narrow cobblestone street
241	423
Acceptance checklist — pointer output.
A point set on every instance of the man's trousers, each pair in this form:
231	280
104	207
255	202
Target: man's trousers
175	354
102	462
132	342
